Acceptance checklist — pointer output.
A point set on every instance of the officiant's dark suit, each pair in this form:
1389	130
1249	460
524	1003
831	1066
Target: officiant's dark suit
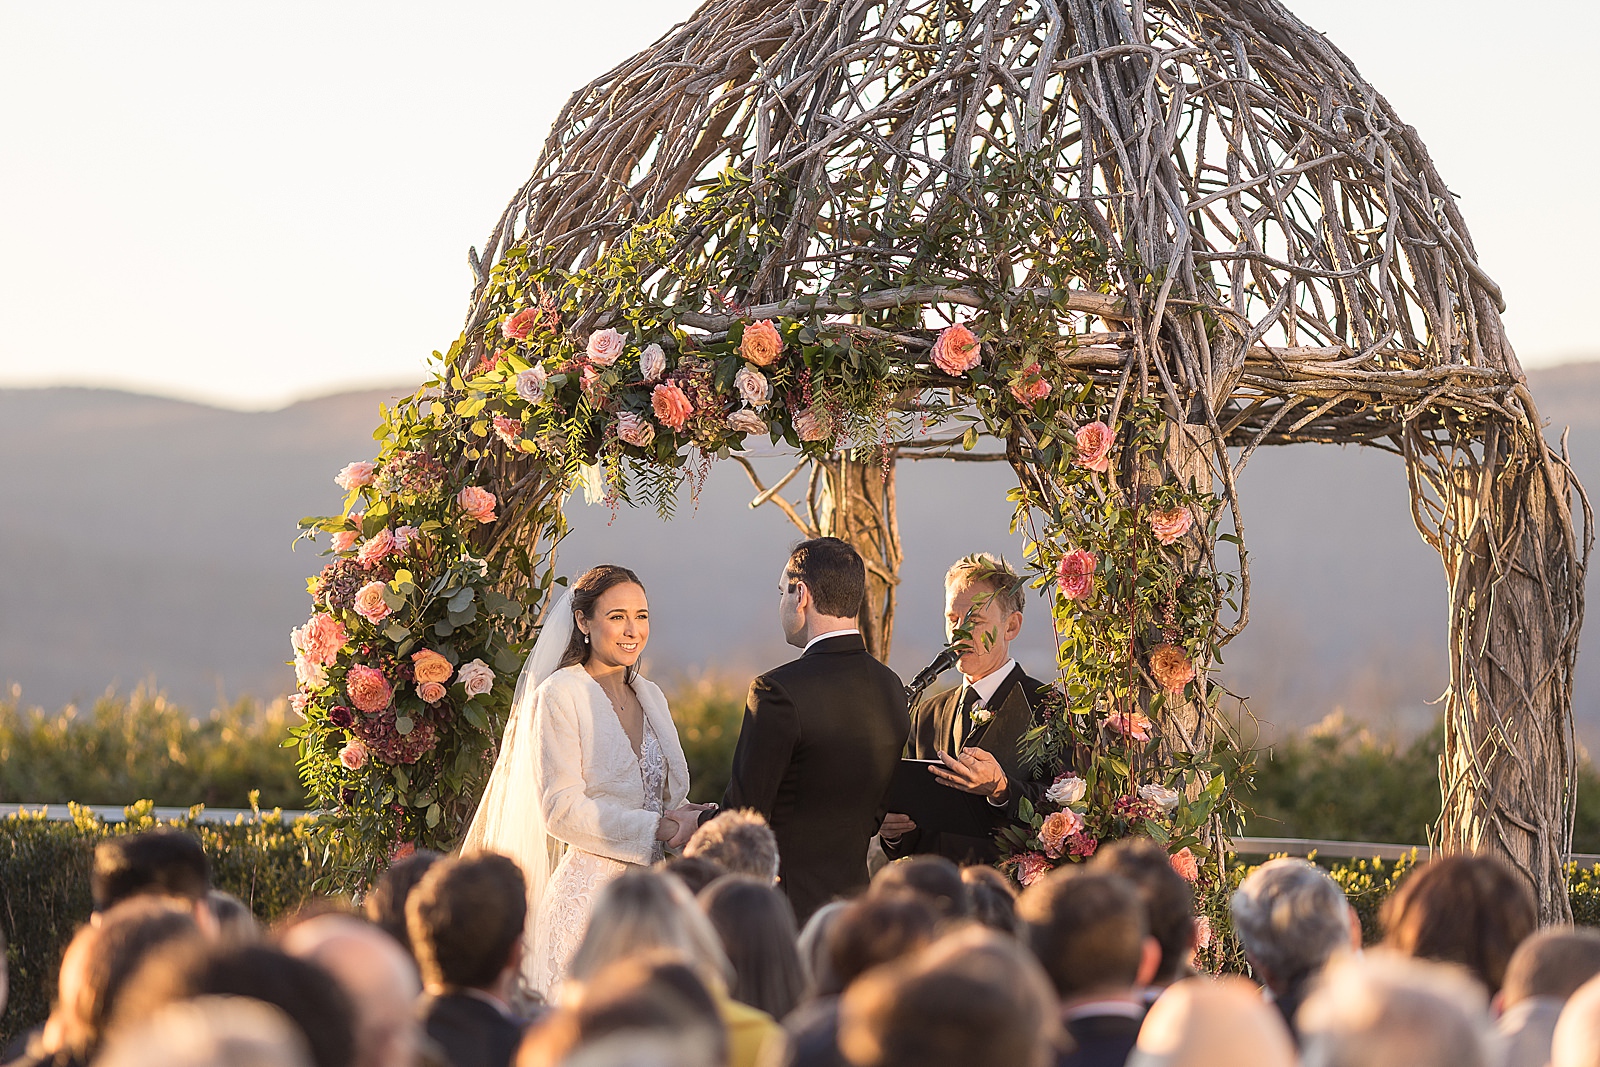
822	734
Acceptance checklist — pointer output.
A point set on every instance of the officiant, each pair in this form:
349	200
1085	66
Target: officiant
972	732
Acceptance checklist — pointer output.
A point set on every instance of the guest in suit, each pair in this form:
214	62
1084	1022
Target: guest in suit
822	734
465	921
976	728
1089	931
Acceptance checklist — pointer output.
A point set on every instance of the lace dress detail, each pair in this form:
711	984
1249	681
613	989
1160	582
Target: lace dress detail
564	912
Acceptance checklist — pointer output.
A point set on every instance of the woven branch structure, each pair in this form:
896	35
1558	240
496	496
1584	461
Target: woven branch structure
1282	264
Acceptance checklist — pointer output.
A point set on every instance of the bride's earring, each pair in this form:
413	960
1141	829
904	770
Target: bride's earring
586	639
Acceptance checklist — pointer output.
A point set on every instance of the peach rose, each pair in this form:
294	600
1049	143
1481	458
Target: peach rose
1030	386
531	382
635	430
508	430
376	548
1135	726
367	688
1075	574
476	678
429	666
520	325
671	405
1056	828
354	755
1171	525
478	503
1186	865
1171	667
430	692
652	363
605	346
1093	450
356	475
753	386
369	602
321	638
746	421
343	540
761	344
813	424
957	350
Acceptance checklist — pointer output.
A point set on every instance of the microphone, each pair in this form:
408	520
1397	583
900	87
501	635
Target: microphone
925	677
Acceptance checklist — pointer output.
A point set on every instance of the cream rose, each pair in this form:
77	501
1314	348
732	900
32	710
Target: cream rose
1159	795
635	430
476	678
761	343
308	674
746	421
370	604
652	363
531	382
354	755
753	386
605	346
1068	789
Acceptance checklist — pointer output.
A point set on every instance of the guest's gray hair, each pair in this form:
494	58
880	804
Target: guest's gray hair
992	571
1382	1009
1290	916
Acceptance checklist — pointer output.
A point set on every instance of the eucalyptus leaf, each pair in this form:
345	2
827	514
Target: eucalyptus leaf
403	725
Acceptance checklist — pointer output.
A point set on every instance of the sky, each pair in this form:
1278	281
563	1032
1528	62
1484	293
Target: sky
249	204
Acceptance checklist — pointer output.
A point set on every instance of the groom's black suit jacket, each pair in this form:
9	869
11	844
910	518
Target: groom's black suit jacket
821	738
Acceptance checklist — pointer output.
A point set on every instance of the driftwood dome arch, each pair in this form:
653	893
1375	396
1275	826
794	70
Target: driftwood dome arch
1286	266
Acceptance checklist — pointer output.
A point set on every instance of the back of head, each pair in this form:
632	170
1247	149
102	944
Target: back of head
934	878
304	992
1381	1009
380	979
1577	1038
161	862
1205	1022
812	946
1552	962
1087	928
1168	900
1290	917
643	911
833	571
129	934
992	898
740	842
873	931
211	1032
653	998
1470	910
694	872
465	918
233	917
386	904
756	925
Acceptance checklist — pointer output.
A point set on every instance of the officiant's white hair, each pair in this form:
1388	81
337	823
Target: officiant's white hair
992	571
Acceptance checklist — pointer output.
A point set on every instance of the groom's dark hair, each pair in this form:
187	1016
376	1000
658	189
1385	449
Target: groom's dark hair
833	571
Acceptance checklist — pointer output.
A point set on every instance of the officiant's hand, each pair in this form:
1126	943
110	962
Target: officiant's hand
895	826
974	771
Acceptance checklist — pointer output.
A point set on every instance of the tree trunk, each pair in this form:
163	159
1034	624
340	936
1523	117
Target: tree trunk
857	505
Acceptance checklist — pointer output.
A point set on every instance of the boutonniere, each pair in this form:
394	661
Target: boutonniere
981	715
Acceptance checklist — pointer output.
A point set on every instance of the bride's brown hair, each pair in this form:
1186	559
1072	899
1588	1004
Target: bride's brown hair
590	587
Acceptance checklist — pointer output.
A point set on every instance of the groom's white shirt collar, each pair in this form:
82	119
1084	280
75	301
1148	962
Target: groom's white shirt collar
986	686
824	637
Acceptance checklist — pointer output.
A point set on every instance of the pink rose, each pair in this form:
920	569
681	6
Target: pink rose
520	325
753	386
813	424
671	405
508	430
376	549
475	677
761	343
530	384
321	638
298	702
1075	574
956	351
356	475
746	421
1032	866
367	688
354	755
1202	932
1171	525
431	692
652	363
1056	828
1186	865
344	539
605	346
635	430
478	503
1094	446
404	538
1135	726
370	604
308	674
1030	386
1171	667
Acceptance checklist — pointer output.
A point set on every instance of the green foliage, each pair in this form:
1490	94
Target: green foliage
708	713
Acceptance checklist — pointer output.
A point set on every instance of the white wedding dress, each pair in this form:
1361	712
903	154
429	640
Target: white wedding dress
571	800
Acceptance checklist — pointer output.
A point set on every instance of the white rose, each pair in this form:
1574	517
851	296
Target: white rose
476	677
746	421
1160	795
310	675
530	383
1068	789
653	363
753	386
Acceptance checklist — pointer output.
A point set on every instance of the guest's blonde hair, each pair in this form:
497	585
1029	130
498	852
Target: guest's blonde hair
641	911
994	574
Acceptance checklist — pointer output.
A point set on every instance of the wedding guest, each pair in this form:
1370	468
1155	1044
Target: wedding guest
1168	902
385	906
1576	1042
934	878
1088	929
1470	910
757	929
465	919
380	979
1382	1009
1545	970
1204	1022
647	1009
210	1032
993	898
812	946
232	917
975	729
696	873
58	1043
740	842
1290	917
973	999
155	862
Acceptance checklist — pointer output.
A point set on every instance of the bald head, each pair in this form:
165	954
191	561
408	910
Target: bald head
377	974
1577	1037
1204	1022
1383	1009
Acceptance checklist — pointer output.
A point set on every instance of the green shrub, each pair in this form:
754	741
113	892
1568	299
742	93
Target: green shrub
708	712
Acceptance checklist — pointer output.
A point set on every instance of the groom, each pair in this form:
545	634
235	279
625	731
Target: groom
822	734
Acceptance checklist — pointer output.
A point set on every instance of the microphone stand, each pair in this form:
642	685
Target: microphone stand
925	677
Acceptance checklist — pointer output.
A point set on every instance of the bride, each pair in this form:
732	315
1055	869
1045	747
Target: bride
591	779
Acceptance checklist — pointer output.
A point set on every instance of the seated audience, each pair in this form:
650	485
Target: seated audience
992	897
1168	903
1204	1022
1576	1042
233	919
1382	1009
694	872
210	1032
812	945
740	842
975	998
167	863
1290	917
379	978
1547	968
1088	930
385	906
1470	910
465	919
934	878
756	925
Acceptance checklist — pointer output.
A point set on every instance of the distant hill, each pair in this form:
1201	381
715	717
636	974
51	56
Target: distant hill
148	539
